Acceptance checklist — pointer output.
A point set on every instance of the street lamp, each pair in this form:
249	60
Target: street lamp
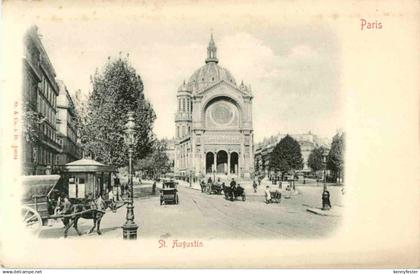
130	227
326	204
324	165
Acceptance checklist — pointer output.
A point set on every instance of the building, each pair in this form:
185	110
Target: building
41	145
214	131
66	125
307	141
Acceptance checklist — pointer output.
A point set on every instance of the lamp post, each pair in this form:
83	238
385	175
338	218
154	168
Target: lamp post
130	227
326	204
324	165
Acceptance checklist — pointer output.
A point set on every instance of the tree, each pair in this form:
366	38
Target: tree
157	162
315	161
335	159
115	91
286	156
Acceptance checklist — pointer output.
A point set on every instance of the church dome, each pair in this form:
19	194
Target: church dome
211	73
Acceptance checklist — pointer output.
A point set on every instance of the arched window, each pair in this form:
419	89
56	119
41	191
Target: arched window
189	129
183	104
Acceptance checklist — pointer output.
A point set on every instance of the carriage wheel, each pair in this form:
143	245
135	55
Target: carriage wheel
31	219
176	199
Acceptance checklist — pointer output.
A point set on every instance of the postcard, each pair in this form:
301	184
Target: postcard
210	134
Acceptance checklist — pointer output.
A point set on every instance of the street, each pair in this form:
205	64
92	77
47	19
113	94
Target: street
202	216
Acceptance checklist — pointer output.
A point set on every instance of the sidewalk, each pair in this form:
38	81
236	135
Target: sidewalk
185	184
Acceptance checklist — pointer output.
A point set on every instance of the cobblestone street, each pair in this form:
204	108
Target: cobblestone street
204	216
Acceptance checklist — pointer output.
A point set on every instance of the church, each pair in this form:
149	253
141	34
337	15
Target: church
213	124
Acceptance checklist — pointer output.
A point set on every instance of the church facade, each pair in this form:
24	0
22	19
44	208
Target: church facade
213	123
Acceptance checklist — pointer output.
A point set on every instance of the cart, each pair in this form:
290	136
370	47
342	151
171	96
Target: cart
275	196
169	193
215	188
36	204
233	193
81	181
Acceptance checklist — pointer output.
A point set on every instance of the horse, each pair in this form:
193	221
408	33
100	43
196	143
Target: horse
94	210
231	193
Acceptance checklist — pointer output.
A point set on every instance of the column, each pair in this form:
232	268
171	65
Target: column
203	162
215	161
238	169
228	163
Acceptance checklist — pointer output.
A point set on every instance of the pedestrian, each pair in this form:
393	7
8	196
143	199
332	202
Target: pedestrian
255	185
66	205
288	193
326	203
58	206
67	209
267	195
100	203
202	185
209	183
111	196
233	184
154	188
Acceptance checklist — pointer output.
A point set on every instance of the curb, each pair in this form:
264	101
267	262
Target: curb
321	212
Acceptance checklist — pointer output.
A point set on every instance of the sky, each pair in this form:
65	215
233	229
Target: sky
293	70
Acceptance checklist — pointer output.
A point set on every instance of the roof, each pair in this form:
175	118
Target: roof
208	75
87	165
38	185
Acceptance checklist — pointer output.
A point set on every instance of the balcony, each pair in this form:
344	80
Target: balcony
55	144
183	117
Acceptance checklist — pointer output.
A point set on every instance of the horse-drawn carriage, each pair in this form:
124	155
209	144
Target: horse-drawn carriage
169	192
215	188
36	204
84	186
275	196
234	192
